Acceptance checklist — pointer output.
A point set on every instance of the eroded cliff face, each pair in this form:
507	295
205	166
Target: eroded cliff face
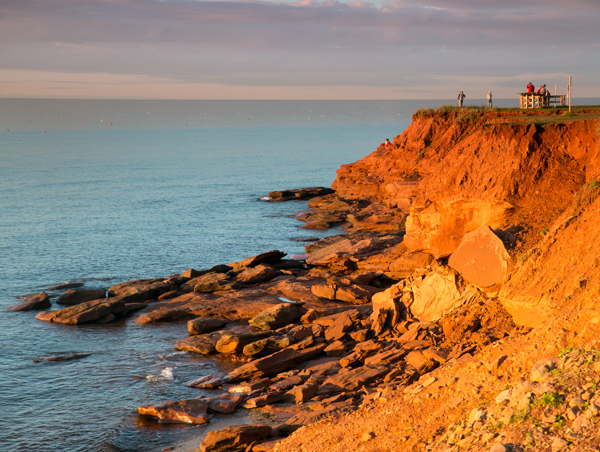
454	174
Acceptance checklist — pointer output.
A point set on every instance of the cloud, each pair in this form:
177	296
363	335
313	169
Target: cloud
300	43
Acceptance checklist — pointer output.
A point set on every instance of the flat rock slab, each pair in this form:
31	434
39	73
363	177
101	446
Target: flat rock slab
92	311
139	290
233	439
234	305
77	296
278	316
38	301
274	364
354	379
204	325
193	411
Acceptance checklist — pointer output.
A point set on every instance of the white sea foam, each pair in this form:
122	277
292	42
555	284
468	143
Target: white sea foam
164	375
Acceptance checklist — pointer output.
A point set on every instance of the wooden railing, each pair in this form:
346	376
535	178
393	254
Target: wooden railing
533	100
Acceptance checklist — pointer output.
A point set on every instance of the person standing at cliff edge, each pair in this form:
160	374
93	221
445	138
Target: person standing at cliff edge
489	97
460	98
387	143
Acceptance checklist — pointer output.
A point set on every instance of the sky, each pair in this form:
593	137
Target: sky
307	49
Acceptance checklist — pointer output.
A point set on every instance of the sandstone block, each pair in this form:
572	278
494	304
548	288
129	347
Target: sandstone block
482	259
191	411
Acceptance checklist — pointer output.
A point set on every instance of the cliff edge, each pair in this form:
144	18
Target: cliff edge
523	187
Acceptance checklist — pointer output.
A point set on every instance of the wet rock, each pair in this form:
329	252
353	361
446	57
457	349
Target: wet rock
204	325
481	259
66	357
299	193
76	296
191	411
225	403
39	301
67	285
278	316
233	439
206	382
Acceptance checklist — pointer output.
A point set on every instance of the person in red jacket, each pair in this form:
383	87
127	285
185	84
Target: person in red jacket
530	88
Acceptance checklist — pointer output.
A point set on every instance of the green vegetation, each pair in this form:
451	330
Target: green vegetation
549	399
544	232
565	351
538	116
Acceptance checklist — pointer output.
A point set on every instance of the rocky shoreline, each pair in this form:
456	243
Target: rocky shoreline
426	314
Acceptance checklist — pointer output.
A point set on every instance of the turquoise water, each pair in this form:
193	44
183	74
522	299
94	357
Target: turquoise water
168	186
109	191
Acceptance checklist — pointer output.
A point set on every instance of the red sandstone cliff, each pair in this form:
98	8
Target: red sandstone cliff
453	173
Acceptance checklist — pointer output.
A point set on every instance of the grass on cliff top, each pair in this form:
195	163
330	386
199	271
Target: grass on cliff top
538	116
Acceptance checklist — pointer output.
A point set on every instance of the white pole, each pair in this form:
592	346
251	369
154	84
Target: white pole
569	91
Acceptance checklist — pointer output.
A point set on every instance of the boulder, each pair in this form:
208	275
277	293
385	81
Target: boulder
482	259
435	296
279	315
192	411
140	290
76	296
39	301
388	302
204	325
235	438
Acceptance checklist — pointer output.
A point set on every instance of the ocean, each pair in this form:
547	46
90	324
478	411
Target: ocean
107	191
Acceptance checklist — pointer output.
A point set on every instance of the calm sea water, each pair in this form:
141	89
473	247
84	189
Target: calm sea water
109	191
